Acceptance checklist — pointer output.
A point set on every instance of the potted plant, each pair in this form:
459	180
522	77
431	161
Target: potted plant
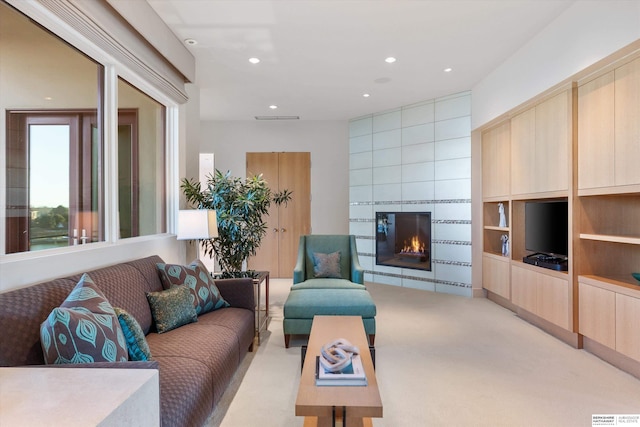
240	205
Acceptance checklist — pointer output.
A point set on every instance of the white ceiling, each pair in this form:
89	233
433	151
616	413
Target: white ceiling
318	57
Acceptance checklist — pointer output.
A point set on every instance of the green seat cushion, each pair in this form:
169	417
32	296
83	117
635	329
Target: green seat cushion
306	303
327	284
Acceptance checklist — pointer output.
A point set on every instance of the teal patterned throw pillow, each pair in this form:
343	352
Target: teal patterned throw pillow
172	308
204	292
327	265
84	329
133	334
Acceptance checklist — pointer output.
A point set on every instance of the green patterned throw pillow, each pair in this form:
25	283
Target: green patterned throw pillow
172	308
133	334
84	329
327	265
205	294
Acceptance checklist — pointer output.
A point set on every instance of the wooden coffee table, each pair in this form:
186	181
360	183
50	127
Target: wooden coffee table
322	405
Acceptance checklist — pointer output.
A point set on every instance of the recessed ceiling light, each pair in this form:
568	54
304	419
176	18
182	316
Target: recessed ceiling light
366	95
448	70
390	60
273	107
254	60
48	98
191	42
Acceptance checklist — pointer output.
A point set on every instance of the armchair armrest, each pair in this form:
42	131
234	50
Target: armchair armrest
357	272
299	269
237	292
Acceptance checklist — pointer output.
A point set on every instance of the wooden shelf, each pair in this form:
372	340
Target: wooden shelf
623	284
612	239
495	228
496	256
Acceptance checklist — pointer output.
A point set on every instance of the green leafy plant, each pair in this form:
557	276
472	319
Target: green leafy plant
241	206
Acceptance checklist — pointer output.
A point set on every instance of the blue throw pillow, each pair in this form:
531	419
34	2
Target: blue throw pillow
136	341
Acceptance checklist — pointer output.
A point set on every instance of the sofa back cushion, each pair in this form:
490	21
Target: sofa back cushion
23	310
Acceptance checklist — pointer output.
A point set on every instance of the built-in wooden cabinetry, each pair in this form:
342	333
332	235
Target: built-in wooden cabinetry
527	157
540	146
581	143
609	131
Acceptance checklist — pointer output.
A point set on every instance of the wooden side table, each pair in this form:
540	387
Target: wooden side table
262	315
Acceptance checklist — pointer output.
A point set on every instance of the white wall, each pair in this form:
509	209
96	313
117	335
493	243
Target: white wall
411	159
325	140
586	32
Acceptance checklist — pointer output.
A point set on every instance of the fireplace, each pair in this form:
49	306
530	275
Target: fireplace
403	239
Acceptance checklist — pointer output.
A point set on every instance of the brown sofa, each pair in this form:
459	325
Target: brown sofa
195	361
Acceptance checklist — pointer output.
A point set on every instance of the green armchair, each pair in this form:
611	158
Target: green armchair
327	280
350	271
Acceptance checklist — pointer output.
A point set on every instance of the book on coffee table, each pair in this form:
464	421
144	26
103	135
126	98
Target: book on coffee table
352	375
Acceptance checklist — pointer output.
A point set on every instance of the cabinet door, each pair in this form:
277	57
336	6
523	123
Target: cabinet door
496	161
292	171
627	125
552	140
628	326
495	276
267	256
553	300
523	150
523	288
597	314
596	133
295	217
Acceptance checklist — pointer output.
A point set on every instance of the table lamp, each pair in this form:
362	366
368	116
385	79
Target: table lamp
197	224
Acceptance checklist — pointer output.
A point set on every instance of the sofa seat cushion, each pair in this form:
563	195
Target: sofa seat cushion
304	304
327	284
215	347
236	319
186	391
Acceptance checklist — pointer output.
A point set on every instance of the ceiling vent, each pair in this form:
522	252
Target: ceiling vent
277	117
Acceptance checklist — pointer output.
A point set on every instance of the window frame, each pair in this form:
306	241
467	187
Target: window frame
112	70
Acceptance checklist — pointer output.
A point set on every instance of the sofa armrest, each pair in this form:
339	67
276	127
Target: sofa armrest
238	293
148	364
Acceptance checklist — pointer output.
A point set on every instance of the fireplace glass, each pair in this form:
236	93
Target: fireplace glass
403	239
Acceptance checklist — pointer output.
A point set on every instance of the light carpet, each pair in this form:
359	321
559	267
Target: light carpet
441	360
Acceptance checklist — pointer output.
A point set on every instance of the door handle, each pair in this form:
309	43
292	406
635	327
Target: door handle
283	230
275	230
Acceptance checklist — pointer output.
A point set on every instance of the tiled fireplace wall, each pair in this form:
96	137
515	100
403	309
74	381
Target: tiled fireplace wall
415	158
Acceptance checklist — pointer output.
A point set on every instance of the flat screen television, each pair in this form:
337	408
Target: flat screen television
547	227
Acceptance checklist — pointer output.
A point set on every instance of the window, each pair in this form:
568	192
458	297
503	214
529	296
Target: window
57	160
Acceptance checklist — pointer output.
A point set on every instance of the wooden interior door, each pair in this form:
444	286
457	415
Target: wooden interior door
267	255
291	171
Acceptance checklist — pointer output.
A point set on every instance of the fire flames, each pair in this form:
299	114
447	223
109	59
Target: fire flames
414	247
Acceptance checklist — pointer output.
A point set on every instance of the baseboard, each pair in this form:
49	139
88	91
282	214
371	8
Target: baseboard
502	301
570	338
612	357
479	293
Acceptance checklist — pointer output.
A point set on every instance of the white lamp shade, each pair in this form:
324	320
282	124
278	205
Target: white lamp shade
197	224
